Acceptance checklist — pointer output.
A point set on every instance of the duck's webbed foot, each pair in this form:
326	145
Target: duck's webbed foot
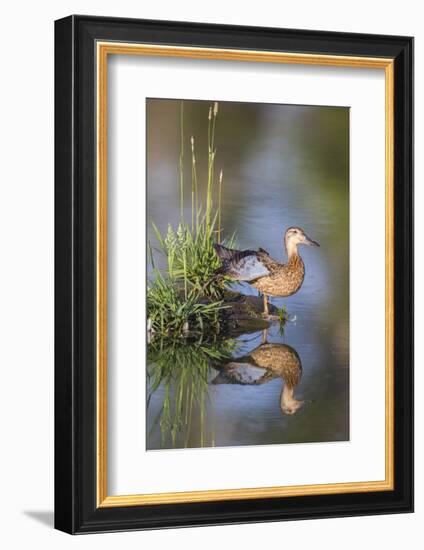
270	318
266	315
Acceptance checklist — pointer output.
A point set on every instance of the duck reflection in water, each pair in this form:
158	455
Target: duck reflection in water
266	362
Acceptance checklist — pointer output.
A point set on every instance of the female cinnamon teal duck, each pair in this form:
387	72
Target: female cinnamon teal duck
270	277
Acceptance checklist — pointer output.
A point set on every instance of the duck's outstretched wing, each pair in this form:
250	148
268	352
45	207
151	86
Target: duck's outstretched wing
242	265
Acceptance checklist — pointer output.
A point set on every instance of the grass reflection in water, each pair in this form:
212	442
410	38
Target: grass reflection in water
182	367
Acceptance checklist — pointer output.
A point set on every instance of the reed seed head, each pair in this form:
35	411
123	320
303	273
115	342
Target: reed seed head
215	108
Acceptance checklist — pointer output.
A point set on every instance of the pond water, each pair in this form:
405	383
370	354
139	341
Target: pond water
283	165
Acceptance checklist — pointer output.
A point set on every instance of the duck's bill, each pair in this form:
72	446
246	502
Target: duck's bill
310	242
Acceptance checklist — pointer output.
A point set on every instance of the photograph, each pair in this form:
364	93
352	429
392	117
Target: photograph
247	316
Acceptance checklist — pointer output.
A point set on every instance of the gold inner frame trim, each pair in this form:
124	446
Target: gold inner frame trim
104	49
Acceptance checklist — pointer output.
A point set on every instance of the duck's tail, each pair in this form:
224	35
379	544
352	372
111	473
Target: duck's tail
224	253
231	255
227	257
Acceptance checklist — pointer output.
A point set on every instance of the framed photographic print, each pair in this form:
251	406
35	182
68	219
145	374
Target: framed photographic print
233	272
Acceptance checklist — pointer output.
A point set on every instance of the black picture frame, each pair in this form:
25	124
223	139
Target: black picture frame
76	510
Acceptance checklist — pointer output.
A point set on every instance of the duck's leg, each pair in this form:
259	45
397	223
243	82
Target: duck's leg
266	311
266	315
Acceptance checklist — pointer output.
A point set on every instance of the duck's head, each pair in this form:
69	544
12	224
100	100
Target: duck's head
292	407
295	236
289	404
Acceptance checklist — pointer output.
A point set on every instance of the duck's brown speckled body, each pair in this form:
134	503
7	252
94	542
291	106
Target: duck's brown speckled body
269	276
284	279
281	359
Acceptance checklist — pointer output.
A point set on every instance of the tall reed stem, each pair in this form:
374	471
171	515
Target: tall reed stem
185	273
209	165
182	162
221	174
211	158
194	193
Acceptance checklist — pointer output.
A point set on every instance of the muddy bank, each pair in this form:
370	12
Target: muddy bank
243	314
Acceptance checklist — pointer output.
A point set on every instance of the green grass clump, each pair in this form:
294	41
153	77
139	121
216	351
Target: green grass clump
283	317
189	293
192	261
172	311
